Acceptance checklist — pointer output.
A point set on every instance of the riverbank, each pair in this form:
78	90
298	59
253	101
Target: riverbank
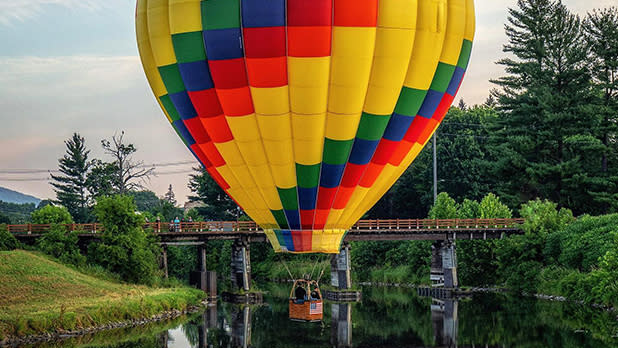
40	297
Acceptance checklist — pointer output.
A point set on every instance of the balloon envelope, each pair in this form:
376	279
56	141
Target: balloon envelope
305	111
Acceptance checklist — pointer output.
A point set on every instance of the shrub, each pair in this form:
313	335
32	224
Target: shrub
543	217
7	240
125	248
50	214
61	245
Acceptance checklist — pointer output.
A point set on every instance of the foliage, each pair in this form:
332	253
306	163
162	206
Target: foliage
217	204
444	208
71	186
7	240
102	179
62	245
51	214
181	261
548	141
193	214
125	248
492	208
477	261
170	196
583	243
145	201
4	219
17	213
543	217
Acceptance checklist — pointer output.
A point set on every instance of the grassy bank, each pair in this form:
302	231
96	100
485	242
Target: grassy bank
38	295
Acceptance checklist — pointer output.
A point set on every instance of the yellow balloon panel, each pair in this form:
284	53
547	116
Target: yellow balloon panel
305	112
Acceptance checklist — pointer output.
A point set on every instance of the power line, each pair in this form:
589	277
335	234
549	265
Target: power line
40	171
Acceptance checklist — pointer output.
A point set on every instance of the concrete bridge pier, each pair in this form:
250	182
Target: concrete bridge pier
241	265
241	327
444	264
341	325
340	276
444	319
209	321
202	278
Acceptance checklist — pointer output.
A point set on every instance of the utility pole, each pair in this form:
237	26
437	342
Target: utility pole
435	170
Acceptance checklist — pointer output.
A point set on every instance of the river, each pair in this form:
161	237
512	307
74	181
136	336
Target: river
386	317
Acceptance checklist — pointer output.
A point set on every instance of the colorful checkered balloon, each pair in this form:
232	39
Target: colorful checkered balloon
305	111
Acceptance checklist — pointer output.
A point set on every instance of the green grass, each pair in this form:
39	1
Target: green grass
39	295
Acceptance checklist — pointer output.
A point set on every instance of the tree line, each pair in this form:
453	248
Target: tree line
549	130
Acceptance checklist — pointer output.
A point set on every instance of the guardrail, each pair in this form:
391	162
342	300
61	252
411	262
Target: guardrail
250	226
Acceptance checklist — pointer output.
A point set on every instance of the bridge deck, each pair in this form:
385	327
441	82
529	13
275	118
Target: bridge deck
396	229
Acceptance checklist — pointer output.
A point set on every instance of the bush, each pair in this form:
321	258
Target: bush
7	240
50	214
585	241
61	245
125	248
543	217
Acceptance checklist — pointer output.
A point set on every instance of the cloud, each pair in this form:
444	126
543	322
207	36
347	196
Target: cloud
21	10
45	99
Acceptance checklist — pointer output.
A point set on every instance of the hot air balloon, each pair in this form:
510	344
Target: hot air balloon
305	111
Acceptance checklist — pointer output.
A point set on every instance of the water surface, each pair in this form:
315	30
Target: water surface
387	317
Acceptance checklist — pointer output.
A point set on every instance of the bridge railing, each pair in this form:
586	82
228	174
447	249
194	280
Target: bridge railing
424	224
250	226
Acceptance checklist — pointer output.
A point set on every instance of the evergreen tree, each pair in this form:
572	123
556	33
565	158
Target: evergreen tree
170	196
544	136
601	28
217	204
70	186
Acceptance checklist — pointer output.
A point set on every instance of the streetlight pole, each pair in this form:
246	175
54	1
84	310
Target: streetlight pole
435	170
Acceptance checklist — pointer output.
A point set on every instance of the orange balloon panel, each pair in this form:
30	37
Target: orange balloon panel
305	112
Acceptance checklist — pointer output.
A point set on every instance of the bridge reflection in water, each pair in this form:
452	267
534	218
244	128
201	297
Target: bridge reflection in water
238	328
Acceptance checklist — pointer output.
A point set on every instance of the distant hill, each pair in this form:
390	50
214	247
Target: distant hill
11	196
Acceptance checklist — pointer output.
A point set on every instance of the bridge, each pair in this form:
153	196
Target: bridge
444	233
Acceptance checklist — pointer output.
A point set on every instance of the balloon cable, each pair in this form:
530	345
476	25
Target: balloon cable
286	267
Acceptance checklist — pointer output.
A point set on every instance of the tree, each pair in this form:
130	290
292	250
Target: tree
544	138
217	204
70	186
125	248
170	196
52	215
146	201
129	174
102	179
601	30
445	207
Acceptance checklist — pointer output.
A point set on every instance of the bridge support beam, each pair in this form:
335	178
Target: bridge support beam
241	265
444	264
340	275
202	278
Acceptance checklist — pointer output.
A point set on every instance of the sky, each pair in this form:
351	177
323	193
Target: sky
72	66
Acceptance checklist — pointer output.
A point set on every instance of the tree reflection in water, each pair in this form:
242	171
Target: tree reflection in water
387	317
